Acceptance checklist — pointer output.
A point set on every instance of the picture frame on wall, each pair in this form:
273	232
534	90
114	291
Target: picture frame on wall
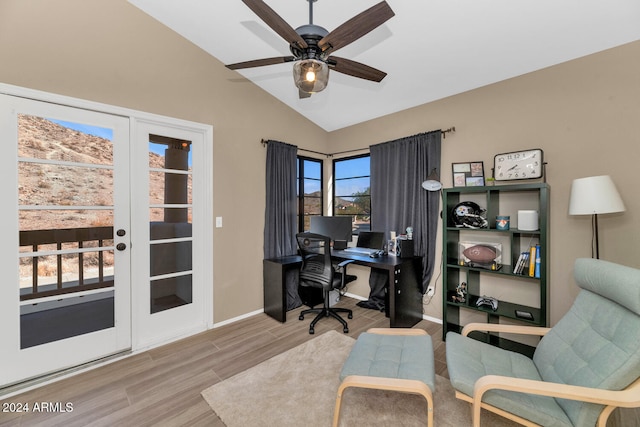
468	174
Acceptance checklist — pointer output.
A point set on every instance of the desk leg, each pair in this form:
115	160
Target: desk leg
275	294
390	303
405	298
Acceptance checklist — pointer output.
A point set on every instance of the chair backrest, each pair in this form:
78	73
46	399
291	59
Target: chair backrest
597	343
316	269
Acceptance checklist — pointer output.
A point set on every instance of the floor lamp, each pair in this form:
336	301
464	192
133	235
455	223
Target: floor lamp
593	196
431	184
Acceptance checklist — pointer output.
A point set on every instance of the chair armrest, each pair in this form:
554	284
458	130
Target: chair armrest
397	331
627	398
344	264
496	327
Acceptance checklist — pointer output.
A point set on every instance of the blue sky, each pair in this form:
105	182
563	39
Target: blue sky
105	133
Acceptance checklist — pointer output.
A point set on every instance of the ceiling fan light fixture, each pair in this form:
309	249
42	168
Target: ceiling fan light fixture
311	75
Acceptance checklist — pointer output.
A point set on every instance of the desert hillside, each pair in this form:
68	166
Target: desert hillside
56	185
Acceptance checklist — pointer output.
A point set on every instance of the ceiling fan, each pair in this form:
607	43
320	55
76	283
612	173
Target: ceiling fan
312	46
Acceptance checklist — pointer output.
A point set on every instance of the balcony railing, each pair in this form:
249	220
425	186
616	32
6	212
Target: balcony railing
76	236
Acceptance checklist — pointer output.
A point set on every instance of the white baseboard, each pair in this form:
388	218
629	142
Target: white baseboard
235	319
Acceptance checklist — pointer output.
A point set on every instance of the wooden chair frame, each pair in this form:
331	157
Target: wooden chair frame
627	398
381	383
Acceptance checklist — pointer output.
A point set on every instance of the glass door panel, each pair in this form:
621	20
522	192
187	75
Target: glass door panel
170	215
69	190
64	252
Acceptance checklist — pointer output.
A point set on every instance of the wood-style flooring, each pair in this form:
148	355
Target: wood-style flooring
161	387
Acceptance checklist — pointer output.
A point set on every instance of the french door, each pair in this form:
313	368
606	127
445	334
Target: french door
64	256
106	232
170	216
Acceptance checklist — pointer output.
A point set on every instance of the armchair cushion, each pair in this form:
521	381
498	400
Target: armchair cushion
468	360
613	281
392	356
597	343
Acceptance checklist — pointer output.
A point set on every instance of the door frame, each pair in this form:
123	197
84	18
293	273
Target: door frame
139	343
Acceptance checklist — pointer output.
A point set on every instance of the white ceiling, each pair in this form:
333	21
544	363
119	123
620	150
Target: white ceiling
430	49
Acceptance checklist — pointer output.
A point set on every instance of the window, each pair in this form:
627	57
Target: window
309	190
352	190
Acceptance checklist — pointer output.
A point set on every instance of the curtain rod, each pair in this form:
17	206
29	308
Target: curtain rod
444	136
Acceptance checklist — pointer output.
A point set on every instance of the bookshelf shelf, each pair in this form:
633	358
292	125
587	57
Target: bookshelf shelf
515	292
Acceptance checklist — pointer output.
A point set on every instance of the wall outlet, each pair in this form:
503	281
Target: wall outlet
431	291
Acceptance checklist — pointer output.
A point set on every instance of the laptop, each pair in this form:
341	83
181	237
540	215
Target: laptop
368	242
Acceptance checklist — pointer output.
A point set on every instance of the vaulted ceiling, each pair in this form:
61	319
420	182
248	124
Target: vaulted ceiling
430	49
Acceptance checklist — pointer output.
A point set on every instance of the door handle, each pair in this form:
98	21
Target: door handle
121	246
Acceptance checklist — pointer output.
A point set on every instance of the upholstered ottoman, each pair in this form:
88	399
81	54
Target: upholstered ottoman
395	359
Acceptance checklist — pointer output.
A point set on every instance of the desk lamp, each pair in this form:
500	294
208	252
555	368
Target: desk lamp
433	182
592	196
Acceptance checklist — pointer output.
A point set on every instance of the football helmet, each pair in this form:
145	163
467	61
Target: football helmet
469	215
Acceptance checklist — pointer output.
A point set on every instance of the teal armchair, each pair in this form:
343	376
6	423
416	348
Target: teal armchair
583	368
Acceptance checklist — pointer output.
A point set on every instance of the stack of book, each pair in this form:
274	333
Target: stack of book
528	262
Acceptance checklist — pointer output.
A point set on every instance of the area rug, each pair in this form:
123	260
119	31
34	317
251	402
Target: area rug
298	388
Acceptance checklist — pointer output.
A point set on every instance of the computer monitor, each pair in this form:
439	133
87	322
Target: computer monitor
370	239
338	228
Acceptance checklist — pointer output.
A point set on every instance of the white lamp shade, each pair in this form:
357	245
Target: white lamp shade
432	183
594	195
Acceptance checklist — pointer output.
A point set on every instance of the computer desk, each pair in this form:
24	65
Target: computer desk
404	298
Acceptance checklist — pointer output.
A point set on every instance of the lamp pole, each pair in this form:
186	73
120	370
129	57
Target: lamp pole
595	227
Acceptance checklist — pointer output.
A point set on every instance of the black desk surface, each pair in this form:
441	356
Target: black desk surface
383	261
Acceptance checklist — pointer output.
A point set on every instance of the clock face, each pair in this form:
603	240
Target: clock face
526	164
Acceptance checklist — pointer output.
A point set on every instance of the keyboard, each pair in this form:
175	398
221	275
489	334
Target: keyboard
364	251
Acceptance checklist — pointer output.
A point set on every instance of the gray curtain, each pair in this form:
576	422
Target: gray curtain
280	224
398	200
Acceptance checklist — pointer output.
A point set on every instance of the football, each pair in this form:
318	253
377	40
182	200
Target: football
480	253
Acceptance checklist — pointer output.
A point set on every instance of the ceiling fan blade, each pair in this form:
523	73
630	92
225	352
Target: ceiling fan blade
356	27
260	62
275	21
302	94
355	69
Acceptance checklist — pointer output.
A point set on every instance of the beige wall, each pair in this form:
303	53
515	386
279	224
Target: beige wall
584	114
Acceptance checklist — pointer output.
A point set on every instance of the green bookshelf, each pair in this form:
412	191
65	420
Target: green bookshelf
526	293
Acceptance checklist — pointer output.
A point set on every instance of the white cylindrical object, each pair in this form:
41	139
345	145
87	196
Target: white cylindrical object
528	220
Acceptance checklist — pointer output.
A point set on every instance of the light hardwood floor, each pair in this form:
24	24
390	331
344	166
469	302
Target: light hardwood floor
161	387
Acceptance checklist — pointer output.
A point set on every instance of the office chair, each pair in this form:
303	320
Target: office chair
317	271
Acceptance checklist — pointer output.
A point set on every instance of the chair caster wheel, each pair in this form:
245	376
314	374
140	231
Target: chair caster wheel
311	331
350	316
345	330
300	317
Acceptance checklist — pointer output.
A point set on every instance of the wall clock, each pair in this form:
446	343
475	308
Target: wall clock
524	164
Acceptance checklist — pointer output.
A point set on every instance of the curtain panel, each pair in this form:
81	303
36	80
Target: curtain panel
398	200
280	223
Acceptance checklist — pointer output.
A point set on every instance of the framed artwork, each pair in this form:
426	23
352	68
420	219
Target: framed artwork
468	174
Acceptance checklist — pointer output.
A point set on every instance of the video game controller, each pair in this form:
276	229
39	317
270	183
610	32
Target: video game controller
488	301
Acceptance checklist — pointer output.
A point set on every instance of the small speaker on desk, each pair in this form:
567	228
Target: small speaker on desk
404	248
339	245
